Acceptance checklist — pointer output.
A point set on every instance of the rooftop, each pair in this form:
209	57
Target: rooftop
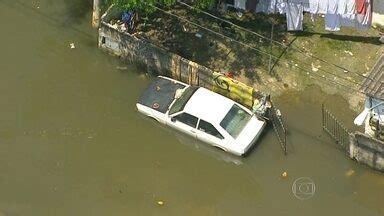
373	85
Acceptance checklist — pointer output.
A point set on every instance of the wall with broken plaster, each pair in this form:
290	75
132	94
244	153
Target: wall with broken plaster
367	150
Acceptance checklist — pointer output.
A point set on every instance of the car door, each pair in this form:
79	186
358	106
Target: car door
184	122
208	133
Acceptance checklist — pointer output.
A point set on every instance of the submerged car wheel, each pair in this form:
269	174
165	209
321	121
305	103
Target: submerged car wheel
221	148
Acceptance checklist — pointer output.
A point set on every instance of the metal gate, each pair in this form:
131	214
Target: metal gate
334	128
278	126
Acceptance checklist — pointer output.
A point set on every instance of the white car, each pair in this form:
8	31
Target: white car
201	113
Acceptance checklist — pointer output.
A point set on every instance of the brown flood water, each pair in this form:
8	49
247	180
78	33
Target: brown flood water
71	142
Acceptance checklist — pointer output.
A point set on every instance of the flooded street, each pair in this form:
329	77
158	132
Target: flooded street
72	143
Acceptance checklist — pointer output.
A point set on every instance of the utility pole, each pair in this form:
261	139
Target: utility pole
96	14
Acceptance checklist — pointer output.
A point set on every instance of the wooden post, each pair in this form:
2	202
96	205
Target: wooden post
270	49
96	14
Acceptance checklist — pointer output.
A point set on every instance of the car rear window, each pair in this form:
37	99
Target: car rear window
182	101
235	120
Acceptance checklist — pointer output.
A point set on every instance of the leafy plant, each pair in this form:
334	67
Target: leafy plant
146	6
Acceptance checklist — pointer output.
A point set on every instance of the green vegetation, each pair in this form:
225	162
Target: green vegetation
146	6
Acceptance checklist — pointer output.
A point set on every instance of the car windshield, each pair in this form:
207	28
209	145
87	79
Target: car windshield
181	101
235	120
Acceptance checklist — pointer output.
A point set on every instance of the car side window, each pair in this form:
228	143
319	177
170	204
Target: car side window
209	129
187	119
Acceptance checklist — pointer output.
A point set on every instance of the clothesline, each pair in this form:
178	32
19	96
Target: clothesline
338	13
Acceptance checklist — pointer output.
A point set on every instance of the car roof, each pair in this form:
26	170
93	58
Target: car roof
208	105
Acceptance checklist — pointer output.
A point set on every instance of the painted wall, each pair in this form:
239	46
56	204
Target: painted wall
378	13
378	6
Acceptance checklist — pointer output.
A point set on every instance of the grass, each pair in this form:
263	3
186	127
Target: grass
351	49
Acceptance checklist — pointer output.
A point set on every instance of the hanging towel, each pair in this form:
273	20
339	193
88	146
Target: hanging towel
294	15
351	7
262	6
332	6
332	22
348	20
272	6
314	6
364	21
342	7
360	6
281	6
304	3
323	6
240	4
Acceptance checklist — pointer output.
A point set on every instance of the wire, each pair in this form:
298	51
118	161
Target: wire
231	23
277	42
214	32
321	78
244	44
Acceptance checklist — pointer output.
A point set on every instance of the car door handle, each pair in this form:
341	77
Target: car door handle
193	131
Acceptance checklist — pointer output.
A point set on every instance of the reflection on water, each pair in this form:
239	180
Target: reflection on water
71	142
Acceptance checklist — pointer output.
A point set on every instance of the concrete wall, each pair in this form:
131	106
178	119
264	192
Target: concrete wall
155	58
367	150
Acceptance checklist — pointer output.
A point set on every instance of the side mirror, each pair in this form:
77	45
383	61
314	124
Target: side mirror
173	119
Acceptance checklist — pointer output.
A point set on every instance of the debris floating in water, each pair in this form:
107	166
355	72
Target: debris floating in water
350	173
284	174
121	68
72	45
160	203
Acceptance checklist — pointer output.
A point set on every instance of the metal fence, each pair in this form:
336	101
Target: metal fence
278	126
334	128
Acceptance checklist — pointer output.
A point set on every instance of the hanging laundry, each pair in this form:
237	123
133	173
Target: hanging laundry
240	4
364	21
263	6
348	20
361	6
323	7
304	3
332	6
281	6
351	7
307	6
332	22
341	6
294	15
272	6
314	6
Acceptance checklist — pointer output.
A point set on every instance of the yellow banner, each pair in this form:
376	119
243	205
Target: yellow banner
233	89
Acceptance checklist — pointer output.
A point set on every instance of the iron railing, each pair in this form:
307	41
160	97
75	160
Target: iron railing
334	128
278	126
